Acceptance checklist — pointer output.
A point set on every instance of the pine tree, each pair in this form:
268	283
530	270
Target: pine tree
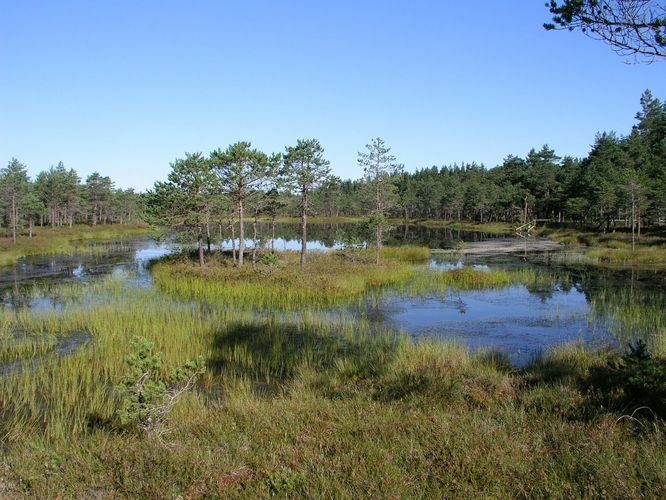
305	169
14	187
241	171
379	166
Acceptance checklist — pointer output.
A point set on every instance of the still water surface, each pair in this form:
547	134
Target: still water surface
577	304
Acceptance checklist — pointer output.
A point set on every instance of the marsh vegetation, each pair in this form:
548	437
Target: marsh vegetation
316	385
260	351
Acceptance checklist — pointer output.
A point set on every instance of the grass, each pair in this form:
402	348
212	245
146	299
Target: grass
633	315
307	403
428	282
311	408
64	240
611	249
329	278
485	227
469	278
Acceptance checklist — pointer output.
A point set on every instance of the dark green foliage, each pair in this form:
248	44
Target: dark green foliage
57	197
305	168
639	380
380	171
632	28
620	184
270	259
97	191
621	176
147	396
242	171
14	189
187	200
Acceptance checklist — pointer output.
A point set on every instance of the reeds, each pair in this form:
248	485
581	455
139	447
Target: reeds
302	401
428	281
632	315
328	279
610	249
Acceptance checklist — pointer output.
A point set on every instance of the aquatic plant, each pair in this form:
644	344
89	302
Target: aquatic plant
609	249
345	409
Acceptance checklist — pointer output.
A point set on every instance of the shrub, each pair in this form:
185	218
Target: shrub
148	397
636	380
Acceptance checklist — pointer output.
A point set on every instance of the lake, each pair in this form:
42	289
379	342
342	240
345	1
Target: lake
574	303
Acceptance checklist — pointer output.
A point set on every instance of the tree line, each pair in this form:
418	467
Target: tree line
57	197
621	181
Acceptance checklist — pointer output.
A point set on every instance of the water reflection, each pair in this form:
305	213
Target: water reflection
31	281
595	306
327	236
516	321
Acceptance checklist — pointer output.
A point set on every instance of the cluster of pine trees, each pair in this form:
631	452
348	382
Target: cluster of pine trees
224	187
621	181
57	197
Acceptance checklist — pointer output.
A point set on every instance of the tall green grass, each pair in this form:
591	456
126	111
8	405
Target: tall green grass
610	249
302	406
328	278
633	315
429	281
307	403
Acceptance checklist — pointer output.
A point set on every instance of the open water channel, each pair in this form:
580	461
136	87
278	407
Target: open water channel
575	303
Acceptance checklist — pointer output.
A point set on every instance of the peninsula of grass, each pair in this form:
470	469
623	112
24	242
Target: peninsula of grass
611	249
469	278
328	278
63	240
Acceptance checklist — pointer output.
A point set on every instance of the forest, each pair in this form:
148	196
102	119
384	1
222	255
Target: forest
597	189
621	182
57	197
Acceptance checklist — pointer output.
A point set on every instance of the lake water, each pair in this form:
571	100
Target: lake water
577	304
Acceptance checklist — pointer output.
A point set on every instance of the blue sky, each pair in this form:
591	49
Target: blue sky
124	87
